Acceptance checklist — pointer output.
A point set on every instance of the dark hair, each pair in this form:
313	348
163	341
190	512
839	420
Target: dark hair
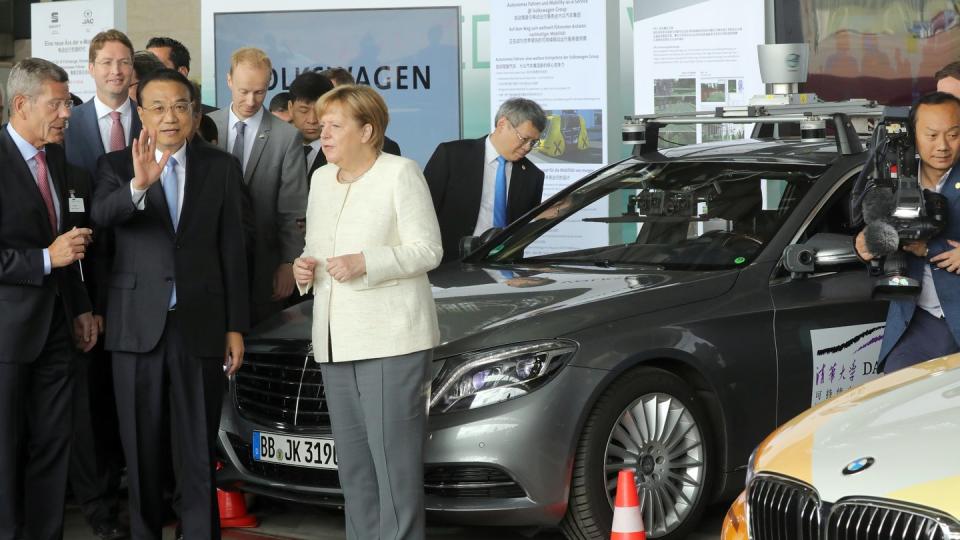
279	102
933	98
309	86
179	54
166	74
950	70
338	76
208	129
144	62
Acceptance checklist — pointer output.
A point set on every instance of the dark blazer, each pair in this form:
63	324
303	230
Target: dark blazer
27	297
82	136
206	254
947	283
389	146
455	176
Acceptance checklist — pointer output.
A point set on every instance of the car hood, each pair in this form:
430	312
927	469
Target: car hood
908	422
472	299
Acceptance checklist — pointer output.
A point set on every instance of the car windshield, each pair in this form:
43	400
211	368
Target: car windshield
668	215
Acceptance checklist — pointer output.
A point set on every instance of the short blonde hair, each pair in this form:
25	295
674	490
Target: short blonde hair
105	37
362	103
250	55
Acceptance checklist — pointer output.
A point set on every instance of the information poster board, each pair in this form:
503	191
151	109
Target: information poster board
694	55
410	55
555	54
62	32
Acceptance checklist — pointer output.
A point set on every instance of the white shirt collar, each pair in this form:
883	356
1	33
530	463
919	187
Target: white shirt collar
180	155
103	109
253	123
490	152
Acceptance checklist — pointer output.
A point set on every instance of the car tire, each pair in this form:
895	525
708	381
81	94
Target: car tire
689	467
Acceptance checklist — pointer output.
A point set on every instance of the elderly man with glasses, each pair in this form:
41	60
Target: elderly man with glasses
478	184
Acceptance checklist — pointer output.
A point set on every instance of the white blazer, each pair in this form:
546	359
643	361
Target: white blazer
387	214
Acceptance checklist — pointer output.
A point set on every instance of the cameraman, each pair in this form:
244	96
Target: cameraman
915	335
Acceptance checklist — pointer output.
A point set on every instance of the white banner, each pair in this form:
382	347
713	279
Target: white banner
555	54
62	32
695	55
843	357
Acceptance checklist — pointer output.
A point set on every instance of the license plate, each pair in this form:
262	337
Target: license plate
296	451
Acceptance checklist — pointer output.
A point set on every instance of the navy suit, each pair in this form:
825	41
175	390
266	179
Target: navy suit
36	313
901	312
82	137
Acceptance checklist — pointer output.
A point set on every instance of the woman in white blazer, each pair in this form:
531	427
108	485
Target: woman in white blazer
372	236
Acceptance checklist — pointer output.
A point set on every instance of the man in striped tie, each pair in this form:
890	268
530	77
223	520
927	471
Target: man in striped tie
43	304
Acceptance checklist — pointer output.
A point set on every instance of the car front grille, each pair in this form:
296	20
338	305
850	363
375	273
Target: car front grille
880	520
476	481
785	509
782	509
282	390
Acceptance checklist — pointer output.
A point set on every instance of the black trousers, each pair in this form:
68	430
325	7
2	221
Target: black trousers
35	423
168	387
95	457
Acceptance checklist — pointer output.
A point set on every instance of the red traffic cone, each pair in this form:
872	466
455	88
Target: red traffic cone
233	510
627	521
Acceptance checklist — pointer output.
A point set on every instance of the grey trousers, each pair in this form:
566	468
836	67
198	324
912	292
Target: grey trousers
378	414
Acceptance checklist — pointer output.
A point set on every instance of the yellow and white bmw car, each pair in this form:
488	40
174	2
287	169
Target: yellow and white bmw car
880	461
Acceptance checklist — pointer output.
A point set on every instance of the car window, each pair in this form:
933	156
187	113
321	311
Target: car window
669	215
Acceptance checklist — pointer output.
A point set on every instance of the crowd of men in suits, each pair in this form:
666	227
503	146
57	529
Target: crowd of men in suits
139	240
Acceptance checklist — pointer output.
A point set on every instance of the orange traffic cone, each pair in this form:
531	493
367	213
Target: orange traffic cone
627	521
233	510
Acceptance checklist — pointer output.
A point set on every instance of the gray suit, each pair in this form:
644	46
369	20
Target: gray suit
276	181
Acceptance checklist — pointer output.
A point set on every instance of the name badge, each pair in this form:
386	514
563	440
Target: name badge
75	204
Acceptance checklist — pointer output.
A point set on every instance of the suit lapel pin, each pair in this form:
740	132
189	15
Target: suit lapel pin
522	166
957	185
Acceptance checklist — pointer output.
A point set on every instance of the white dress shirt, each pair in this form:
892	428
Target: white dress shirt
490	164
249	133
104	122
139	195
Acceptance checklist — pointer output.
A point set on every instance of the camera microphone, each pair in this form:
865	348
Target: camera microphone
878	203
881	238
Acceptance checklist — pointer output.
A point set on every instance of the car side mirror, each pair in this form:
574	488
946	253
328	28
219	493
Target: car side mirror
822	250
469	244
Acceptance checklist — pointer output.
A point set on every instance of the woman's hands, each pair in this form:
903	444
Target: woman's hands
347	267
303	270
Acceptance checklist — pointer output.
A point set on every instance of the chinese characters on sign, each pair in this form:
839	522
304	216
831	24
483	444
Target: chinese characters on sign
843	357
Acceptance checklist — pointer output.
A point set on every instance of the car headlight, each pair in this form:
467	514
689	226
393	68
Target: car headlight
482	378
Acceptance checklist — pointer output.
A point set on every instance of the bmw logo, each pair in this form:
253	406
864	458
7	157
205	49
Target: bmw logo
858	465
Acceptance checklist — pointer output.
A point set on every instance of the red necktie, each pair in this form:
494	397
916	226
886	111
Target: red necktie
117	140
44	184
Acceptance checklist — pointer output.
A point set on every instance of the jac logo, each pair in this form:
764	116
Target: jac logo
793	61
54	17
86	17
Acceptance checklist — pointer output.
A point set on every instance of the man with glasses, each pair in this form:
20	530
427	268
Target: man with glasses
105	123
178	301
44	308
478	184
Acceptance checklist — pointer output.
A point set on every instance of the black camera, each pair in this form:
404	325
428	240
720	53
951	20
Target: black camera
889	199
655	202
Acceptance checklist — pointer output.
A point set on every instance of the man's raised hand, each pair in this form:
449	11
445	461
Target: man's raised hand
146	169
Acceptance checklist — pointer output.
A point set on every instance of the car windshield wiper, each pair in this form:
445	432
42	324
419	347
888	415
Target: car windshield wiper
601	263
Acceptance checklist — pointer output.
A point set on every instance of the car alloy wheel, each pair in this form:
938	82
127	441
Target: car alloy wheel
659	439
650	420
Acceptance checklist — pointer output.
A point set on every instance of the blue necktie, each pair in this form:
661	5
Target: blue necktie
170	190
500	195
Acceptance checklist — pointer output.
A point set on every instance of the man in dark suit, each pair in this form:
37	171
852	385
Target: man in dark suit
304	92
338	76
477	184
270	152
43	303
178	301
105	123
109	121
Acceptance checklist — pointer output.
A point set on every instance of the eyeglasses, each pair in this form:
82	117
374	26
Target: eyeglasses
55	104
180	108
108	63
525	141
